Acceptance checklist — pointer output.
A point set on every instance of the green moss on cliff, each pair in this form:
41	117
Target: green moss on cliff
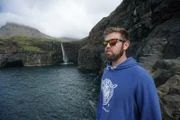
1	42
31	44
32	40
32	49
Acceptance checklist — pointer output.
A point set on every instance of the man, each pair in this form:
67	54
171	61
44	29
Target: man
127	91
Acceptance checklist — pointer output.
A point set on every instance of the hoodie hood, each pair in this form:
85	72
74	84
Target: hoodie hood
129	62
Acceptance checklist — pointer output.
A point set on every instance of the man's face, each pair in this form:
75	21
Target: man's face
114	52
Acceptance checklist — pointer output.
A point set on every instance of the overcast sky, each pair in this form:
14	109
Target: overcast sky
57	18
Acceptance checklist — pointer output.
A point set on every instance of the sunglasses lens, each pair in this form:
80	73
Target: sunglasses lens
105	43
113	42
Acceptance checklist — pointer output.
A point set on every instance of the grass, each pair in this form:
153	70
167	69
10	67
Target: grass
32	49
1	42
31	40
32	44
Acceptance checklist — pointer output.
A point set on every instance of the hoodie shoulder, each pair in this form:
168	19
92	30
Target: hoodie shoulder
130	62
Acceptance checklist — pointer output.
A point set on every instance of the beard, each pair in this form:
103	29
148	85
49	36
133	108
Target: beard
114	57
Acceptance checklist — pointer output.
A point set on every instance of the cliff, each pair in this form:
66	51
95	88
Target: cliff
154	27
154	31
29	51
71	49
21	45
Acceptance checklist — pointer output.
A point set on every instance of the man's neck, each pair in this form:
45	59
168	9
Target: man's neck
119	61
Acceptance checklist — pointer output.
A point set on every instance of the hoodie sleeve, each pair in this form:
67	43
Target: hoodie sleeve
147	98
99	107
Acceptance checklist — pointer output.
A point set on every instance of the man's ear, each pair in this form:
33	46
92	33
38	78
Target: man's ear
126	45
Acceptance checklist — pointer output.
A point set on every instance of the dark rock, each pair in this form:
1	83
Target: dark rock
168	64
92	61
174	90
172	105
170	98
161	76
72	48
173	81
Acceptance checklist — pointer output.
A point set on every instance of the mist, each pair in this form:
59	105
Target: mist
57	18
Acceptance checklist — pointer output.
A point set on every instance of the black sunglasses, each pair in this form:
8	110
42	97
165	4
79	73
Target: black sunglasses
112	42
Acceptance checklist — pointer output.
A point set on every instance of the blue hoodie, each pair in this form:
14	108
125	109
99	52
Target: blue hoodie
128	92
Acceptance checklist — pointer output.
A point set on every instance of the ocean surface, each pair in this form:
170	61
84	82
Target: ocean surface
47	93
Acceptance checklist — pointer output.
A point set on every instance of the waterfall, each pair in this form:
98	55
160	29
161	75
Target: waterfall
65	59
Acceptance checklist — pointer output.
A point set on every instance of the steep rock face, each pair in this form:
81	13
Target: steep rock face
91	61
162	43
154	27
29	52
71	49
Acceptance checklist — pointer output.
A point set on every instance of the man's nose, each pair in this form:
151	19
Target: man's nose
108	45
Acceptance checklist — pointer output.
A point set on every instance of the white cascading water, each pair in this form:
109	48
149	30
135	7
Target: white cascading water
65	59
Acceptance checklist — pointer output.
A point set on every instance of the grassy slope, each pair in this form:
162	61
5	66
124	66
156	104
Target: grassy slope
31	44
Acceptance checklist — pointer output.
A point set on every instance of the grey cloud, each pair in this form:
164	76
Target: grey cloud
57	17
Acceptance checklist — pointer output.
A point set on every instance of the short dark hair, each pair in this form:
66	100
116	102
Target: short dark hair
120	30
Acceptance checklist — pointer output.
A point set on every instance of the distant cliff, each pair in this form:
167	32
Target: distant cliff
72	49
154	27
29	51
21	45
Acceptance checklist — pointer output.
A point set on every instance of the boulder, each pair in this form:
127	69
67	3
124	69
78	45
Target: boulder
169	94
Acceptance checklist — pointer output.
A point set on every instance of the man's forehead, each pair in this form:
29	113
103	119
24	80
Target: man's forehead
115	35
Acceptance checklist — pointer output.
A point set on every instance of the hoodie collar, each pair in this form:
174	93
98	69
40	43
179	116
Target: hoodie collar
129	62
